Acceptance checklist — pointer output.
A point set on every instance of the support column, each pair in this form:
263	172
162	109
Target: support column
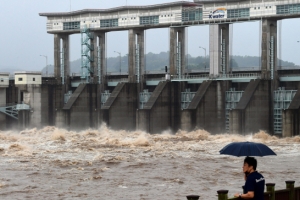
99	57
57	55
177	36
136	38
269	61
219	45
269	32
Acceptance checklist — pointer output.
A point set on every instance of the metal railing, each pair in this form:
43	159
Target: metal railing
184	77
290	193
117	80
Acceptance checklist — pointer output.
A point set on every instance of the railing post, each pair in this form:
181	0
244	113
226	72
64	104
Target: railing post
291	185
222	194
192	197
271	189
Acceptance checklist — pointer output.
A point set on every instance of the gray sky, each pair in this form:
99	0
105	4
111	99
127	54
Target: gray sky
24	37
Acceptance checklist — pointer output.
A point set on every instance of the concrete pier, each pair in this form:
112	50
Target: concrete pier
253	112
177	50
119	111
61	48
136	41
219	49
99	43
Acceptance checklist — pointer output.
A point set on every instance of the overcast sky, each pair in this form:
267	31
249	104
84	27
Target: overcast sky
24	37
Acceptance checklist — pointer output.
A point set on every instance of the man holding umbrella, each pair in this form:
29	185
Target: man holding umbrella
255	182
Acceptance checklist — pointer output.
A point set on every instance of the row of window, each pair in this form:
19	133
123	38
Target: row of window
166	15
288	9
258	8
71	25
126	18
189	15
21	79
192	15
149	20
109	23
237	13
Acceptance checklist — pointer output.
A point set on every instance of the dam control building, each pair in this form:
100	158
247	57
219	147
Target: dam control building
218	100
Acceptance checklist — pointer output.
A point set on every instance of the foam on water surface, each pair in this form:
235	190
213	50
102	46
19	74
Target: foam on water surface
105	163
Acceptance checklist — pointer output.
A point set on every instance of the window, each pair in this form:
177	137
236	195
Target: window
109	23
238	13
2	80
71	25
149	20
20	79
288	9
33	79
254	8
191	14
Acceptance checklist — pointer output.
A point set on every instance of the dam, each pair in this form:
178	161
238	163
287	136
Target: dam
219	100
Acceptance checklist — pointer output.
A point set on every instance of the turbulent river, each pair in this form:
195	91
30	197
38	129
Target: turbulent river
52	163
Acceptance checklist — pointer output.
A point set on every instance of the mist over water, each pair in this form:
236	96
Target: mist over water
53	163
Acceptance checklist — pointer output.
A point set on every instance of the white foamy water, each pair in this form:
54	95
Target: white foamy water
53	163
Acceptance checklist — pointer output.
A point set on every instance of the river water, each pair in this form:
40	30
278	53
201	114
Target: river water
52	163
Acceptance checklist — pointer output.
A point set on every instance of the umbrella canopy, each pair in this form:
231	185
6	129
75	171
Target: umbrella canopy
247	149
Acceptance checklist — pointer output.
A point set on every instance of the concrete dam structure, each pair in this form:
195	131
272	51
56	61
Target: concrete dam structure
220	100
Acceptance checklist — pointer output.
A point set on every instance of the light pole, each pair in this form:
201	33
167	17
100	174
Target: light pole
120	60
46	64
204	57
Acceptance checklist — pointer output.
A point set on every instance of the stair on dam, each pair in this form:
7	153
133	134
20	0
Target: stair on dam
74	97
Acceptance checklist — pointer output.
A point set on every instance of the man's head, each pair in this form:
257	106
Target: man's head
250	164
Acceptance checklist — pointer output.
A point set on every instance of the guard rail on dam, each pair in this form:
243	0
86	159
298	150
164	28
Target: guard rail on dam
290	193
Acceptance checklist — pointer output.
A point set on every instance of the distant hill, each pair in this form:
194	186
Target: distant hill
158	61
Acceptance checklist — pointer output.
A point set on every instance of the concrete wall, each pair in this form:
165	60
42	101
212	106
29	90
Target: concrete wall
119	112
33	97
2	103
255	114
162	111
83	113
210	114
12	96
60	117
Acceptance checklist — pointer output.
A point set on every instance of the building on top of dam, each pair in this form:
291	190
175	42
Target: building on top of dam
170	14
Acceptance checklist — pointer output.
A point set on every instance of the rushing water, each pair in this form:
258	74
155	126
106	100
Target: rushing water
53	163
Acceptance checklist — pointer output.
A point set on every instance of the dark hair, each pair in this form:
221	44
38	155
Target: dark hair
251	162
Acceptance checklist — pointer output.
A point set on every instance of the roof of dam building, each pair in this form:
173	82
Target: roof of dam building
172	14
178	3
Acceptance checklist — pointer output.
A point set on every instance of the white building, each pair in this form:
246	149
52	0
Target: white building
4	79
24	78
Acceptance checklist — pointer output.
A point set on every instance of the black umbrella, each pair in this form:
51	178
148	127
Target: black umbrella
247	149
